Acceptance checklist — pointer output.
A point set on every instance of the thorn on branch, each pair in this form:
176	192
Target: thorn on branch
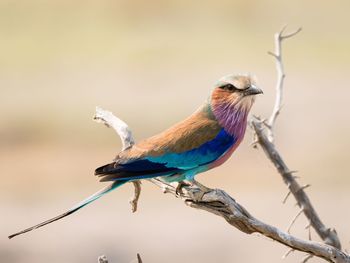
254	143
294	219
165	190
288	253
272	54
310	238
291	173
306	258
286	197
304	187
266	123
308	227
257	118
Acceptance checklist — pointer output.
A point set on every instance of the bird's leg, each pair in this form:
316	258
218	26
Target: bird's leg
180	185
198	191
203	188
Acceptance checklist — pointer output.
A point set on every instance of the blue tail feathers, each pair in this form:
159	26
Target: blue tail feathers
75	208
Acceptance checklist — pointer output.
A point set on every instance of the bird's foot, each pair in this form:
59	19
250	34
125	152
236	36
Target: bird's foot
180	185
200	186
198	191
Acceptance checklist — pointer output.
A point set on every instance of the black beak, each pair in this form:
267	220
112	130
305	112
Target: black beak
252	90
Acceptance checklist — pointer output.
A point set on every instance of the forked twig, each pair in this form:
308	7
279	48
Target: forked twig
277	54
125	134
264	132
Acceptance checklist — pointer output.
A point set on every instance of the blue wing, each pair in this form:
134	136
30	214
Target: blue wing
206	153
168	163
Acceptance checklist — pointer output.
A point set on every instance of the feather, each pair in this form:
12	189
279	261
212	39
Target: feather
134	170
189	134
80	205
169	163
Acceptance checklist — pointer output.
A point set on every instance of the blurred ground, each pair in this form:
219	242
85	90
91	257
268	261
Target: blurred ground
152	63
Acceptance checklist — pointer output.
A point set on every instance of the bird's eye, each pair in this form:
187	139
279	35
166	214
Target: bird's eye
228	87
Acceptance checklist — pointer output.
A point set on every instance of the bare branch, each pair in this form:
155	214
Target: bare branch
139	259
327	235
135	198
123	130
264	132
277	54
102	259
291	34
220	203
125	134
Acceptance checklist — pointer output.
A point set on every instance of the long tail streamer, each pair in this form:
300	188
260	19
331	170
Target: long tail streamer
83	203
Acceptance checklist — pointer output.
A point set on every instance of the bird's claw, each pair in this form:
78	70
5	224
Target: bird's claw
198	191
180	185
201	187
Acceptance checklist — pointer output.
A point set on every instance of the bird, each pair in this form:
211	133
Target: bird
203	141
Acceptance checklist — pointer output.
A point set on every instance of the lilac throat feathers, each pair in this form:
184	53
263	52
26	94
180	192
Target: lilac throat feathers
232	118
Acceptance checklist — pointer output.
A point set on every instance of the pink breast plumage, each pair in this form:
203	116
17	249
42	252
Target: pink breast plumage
223	158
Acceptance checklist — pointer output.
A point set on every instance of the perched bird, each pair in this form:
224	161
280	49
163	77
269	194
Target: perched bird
201	142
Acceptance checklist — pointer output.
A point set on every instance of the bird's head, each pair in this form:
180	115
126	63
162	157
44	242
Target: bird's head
236	90
231	100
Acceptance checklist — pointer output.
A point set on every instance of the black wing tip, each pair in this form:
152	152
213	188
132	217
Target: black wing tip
105	169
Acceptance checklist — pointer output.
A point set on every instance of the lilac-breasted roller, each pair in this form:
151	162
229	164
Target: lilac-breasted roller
197	144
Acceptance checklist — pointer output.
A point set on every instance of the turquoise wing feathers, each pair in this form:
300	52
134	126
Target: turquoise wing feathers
169	162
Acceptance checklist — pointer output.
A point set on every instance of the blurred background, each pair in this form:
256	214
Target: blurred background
153	63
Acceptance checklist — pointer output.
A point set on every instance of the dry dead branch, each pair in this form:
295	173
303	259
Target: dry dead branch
264	134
